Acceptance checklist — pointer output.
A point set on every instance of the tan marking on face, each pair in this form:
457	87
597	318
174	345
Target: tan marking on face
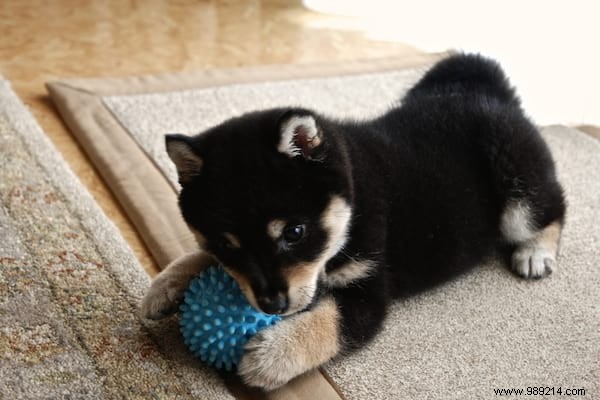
302	283
336	220
275	228
302	278
293	346
232	239
245	286
349	272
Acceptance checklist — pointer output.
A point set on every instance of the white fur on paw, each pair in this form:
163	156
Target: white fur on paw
270	358
162	298
533	262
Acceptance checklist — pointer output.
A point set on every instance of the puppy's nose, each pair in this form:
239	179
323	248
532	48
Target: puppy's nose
277	304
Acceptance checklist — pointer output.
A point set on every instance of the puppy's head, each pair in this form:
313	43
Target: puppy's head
268	194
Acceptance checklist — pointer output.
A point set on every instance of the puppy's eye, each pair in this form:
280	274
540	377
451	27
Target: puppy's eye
293	233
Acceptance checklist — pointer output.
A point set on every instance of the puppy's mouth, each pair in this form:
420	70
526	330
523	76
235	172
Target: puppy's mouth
299	297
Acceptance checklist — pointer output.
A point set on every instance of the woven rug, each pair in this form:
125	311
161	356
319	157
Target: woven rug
485	331
69	288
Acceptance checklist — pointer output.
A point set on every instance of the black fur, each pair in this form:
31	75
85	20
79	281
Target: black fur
427	182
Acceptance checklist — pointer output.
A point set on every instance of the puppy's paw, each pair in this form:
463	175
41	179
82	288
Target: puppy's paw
292	347
163	297
271	358
531	261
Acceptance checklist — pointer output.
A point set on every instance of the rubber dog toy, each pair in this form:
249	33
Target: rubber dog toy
216	320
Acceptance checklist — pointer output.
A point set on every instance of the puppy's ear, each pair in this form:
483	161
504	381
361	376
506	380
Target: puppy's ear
181	152
300	135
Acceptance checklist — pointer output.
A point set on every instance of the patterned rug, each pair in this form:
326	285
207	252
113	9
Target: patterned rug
70	286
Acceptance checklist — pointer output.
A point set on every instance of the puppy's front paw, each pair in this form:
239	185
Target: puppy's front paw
291	347
270	359
163	297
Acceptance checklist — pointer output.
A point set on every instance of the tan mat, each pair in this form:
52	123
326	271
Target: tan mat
482	332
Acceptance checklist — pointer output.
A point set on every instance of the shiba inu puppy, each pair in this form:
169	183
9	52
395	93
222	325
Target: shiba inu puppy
327	221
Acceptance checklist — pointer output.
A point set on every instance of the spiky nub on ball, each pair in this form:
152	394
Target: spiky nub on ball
216	320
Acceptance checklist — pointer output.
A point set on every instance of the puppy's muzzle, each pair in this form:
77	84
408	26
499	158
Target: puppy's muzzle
276	304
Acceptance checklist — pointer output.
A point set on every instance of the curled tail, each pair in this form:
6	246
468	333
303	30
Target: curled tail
462	74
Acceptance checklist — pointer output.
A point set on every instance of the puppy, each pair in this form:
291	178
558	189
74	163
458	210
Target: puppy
327	221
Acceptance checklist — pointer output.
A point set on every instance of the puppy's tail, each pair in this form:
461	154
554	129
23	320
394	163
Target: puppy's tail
463	74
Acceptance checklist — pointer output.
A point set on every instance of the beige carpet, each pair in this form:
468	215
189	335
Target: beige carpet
488	330
69	288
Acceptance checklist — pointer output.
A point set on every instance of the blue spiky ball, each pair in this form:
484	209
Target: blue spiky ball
216	320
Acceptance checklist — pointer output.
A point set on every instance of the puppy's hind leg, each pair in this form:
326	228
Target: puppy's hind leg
533	203
533	215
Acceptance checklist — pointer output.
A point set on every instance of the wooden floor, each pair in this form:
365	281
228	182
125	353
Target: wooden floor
45	40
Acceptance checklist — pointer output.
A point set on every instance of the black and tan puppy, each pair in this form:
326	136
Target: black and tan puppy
327	221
